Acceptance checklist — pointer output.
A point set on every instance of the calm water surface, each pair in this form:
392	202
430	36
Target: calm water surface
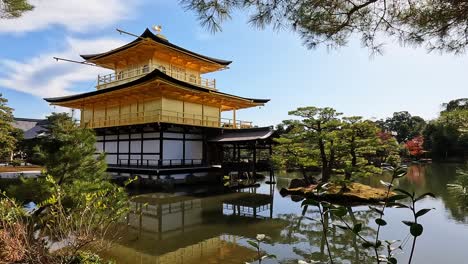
196	227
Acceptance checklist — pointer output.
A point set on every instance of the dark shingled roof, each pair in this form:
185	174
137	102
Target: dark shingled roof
150	76
250	134
165	42
32	128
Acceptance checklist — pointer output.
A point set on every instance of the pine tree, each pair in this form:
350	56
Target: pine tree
7	139
68	151
14	8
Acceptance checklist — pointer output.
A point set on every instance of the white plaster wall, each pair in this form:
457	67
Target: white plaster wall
172	149
150	146
123	147
193	150
135	147
111	147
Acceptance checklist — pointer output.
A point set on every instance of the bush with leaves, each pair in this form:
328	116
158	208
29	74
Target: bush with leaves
383	250
77	205
61	232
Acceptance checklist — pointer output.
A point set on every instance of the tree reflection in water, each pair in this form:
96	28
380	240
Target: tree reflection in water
305	233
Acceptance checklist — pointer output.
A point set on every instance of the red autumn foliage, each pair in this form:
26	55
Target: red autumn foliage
415	146
384	136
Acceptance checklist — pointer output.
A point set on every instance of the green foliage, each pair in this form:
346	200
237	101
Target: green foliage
321	138
404	125
447	136
7	131
85	212
77	205
457	104
338	213
84	257
439	25
311	140
14	8
30	190
68	152
358	142
10	209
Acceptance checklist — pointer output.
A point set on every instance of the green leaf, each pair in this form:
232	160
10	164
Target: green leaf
340	211
378	244
380	222
424	195
397	205
400	175
386	184
416	229
304	210
404	192
357	228
310	202
392	260
367	244
253	243
422	212
341	226
408	223
397	197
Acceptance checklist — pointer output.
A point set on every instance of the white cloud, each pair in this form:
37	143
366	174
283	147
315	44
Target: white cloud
42	76
74	15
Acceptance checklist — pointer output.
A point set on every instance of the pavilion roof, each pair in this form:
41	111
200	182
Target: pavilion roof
148	80
242	135
148	35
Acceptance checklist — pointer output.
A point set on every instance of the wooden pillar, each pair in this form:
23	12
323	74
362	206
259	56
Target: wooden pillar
234	125
141	145
254	159
205	149
105	114
161	147
183	146
92	118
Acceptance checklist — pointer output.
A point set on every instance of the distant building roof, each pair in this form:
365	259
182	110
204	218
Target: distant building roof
240	135
32	128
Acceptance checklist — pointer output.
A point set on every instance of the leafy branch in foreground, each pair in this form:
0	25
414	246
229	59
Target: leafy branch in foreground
14	8
256	244
437	25
376	244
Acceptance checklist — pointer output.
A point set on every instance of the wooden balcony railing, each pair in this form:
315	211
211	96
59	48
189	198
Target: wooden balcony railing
165	116
113	79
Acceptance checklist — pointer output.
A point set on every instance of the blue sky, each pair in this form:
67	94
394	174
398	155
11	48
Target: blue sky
267	64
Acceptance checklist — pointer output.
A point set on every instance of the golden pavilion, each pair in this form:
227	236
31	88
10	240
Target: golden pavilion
156	110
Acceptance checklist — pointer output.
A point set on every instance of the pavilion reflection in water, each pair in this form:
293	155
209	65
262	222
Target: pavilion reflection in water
169	228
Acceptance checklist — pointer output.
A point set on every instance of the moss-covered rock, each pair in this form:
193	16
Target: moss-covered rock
355	193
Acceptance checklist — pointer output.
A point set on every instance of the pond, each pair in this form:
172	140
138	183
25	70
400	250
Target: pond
198	226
